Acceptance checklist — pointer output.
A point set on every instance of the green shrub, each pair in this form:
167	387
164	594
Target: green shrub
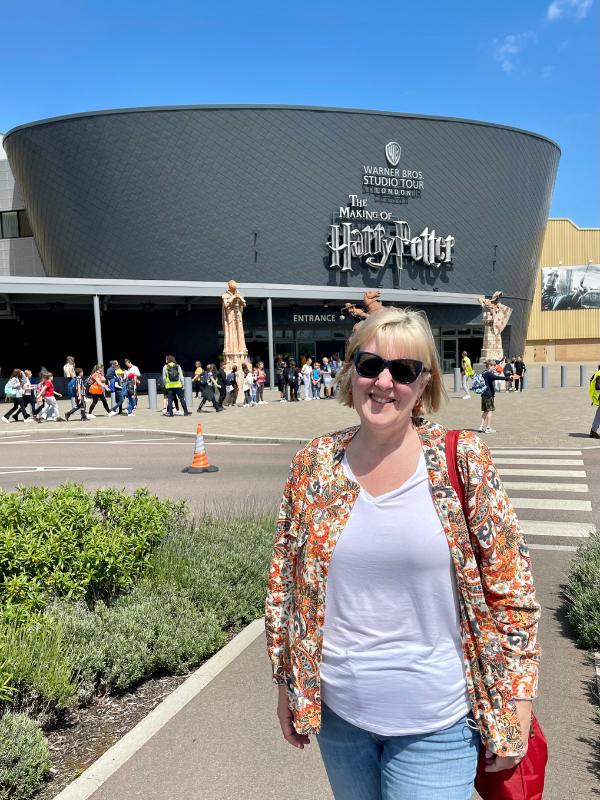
142	634
221	565
35	671
68	542
24	757
583	593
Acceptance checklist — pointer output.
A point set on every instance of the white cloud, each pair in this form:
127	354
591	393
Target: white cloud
507	50
547	71
576	9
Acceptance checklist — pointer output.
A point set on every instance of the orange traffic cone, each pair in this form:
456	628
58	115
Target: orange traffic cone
200	461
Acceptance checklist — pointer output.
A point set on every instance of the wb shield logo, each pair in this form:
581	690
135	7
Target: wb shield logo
392	153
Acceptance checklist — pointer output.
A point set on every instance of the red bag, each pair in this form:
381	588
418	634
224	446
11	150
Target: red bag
526	780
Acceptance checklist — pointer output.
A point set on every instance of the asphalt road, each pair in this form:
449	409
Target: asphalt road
251	476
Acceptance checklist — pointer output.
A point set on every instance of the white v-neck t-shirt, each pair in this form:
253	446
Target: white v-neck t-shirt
392	659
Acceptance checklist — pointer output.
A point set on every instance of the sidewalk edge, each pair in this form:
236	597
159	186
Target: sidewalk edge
114	758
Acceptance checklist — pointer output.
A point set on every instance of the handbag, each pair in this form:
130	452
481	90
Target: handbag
526	780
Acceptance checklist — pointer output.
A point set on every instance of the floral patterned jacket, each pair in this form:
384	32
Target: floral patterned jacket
498	609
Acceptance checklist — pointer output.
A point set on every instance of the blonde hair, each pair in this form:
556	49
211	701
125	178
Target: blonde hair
395	328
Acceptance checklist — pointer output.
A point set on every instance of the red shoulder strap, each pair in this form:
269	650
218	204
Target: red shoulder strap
451	463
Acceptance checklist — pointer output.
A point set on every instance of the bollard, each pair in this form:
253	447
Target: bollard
524	381
188	393
544	377
457	380
113	399
152	394
582	375
564	377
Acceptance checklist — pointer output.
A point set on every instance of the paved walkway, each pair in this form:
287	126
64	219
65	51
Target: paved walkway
552	417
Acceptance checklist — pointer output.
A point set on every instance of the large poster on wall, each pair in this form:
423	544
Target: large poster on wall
571	287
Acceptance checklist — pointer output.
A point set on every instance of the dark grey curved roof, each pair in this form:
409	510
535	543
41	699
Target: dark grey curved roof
275	107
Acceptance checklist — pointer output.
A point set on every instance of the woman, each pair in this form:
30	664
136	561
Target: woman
97	387
260	378
69	374
428	648
14	390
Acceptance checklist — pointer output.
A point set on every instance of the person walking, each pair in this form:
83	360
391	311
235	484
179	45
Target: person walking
79	396
467	372
172	376
305	371
221	385
50	412
69	374
520	370
315	379
594	390
428	650
96	388
116	385
208	387
232	386
29	394
196	378
14	390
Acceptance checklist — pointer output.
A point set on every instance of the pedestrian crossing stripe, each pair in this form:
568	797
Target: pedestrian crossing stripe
570	530
530	486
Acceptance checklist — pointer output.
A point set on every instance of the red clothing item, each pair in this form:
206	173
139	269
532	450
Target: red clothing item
48	390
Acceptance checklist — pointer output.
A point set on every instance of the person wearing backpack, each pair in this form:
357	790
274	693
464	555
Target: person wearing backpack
172	376
116	385
78	388
231	386
594	391
14	391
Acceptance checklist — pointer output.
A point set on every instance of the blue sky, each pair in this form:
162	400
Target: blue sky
530	64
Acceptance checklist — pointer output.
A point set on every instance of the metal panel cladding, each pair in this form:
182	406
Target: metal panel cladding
209	193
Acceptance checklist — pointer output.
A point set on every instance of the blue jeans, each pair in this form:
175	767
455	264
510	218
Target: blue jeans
596	421
428	766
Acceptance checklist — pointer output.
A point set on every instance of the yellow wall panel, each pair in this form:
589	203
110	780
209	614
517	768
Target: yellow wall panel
565	243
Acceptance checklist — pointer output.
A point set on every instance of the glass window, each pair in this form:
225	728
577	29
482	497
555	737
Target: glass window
261	334
24	226
10	225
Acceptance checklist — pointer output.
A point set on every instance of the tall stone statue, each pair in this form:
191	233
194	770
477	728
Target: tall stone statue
234	348
495	319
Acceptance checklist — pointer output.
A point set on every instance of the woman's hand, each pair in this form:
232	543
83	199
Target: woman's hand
496	763
285	717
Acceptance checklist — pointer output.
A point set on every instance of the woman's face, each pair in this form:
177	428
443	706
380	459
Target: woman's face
380	402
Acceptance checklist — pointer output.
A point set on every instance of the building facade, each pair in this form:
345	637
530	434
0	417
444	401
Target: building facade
145	214
564	324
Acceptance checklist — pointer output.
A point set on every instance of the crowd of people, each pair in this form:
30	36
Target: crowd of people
34	398
305	381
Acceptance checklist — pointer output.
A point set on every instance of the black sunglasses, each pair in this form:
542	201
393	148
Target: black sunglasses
402	370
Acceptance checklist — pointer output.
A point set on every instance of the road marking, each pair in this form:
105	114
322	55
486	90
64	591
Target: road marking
553	505
27	470
546	487
571	530
538	452
564	547
95	442
544	473
243	444
551	462
92	779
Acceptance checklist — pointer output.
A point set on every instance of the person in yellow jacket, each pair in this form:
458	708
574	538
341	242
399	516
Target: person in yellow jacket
172	376
594	391
467	372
